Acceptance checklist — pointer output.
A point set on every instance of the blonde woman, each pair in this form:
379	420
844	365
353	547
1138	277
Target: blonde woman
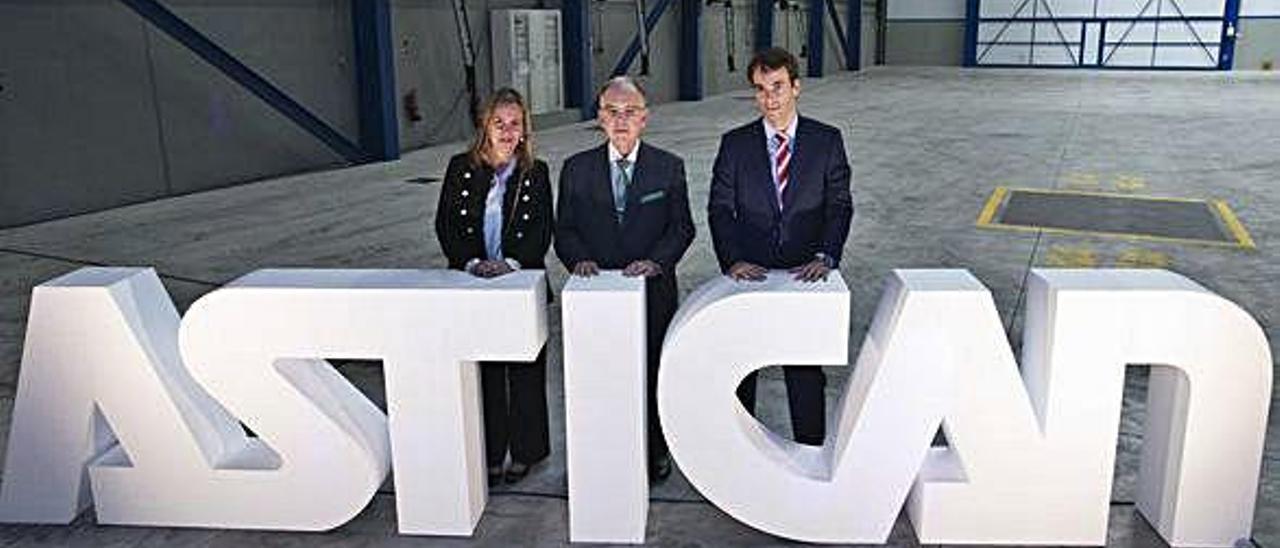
495	217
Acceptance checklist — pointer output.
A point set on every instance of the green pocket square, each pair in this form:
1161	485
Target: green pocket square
652	196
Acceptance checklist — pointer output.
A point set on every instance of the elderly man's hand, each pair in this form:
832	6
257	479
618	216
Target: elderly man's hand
586	269
813	271
743	270
491	269
644	268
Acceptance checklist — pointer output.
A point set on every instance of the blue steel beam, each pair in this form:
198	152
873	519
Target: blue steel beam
576	22
764	24
1230	28
851	43
972	10
633	49
855	34
817	9
206	49
375	78
690	50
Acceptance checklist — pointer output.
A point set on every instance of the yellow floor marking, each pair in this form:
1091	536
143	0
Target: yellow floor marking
993	205
1143	258
1082	181
1071	256
1242	239
1234	226
1130	183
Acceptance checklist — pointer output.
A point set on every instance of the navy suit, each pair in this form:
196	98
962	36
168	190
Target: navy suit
657	226
747	225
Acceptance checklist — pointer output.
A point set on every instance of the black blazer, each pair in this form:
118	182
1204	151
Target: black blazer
746	224
527	220
657	225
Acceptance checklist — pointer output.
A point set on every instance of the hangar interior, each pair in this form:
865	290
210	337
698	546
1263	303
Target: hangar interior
212	139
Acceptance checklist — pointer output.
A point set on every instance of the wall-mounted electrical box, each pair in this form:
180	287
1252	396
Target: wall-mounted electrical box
526	55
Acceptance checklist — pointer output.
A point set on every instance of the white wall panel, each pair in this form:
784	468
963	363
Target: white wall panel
1260	8
926	9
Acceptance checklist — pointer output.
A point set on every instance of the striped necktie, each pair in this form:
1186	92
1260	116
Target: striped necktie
782	159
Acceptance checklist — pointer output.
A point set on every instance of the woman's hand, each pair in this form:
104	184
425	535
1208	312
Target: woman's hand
491	269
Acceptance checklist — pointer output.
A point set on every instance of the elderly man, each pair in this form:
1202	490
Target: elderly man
780	199
624	205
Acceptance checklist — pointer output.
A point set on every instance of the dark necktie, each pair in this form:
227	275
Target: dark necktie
620	184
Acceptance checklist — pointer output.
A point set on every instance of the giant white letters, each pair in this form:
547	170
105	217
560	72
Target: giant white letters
605	407
1030	458
103	344
1030	450
1039	458
110	338
248	342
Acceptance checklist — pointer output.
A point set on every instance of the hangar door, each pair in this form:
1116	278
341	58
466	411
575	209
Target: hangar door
1122	34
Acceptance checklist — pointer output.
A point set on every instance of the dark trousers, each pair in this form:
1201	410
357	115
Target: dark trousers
805	399
515	410
660	308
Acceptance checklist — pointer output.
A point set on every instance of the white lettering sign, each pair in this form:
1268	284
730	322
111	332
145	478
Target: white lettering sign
119	398
1031	452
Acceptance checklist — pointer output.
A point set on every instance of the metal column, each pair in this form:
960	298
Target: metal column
375	78
973	9
817	9
764	24
690	50
1230	28
853	47
577	55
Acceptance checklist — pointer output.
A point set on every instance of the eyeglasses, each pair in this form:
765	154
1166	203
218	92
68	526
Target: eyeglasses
622	113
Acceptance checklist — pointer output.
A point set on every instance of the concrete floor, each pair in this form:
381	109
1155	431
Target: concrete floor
927	146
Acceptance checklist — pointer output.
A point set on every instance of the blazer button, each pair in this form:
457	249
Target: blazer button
526	182
526	198
526	216
464	213
471	230
466	193
519	235
466	175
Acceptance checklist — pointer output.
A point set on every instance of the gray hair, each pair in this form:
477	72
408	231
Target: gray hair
624	83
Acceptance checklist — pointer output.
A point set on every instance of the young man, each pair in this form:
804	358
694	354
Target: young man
780	200
625	205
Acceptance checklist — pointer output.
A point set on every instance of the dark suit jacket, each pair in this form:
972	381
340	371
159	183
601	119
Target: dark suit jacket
527	220
746	224
657	225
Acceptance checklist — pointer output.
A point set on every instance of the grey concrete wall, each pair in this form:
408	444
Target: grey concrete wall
790	32
924	42
429	63
216	133
613	27
78	125
716	77
99	109
1259	42
869	33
